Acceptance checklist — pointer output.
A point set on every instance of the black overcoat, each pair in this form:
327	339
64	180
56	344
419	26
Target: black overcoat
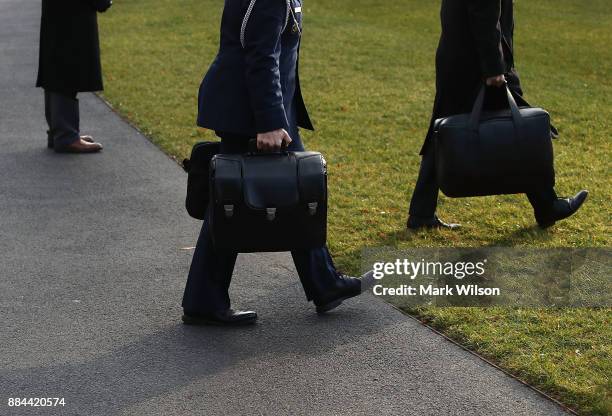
476	43
69	57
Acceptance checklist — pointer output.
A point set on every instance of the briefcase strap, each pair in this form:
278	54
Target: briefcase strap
517	118
521	101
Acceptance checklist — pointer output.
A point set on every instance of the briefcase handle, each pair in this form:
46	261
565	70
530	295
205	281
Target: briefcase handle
253	151
521	101
517	118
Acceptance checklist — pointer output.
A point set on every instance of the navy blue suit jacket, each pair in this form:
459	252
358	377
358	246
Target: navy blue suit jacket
253	84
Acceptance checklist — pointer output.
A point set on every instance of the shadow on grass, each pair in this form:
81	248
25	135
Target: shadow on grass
404	238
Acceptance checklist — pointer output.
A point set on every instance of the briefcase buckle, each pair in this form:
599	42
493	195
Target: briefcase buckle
312	208
270	214
229	211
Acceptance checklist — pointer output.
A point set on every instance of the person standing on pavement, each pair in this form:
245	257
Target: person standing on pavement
476	46
69	63
252	91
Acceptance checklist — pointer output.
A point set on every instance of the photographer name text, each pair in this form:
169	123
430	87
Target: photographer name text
431	290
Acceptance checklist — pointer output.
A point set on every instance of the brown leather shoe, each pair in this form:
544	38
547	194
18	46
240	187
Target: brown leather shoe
88	139
50	144
80	146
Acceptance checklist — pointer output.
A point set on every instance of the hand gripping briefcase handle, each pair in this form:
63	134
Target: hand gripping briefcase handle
517	118
254	151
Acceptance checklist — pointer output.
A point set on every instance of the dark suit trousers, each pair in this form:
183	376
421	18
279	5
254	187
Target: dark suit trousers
211	271
62	114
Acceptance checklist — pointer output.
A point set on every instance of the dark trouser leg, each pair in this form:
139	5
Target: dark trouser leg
211	271
62	114
315	267
48	109
542	201
425	195
316	270
209	277
48	119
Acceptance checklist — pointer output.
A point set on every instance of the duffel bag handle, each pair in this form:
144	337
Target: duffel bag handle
521	101
517	118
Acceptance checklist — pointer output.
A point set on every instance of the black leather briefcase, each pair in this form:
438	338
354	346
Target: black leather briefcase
198	180
493	153
268	201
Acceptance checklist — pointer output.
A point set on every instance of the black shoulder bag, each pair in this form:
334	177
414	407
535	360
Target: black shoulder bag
197	168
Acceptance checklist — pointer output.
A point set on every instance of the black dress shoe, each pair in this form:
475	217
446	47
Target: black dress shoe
346	287
561	209
228	317
416	223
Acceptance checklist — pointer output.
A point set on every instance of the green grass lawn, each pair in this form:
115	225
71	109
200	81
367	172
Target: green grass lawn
367	69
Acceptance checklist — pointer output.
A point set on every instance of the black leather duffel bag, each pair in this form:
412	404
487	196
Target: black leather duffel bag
198	180
268	201
493	153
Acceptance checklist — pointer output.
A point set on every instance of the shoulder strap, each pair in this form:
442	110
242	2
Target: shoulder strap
247	16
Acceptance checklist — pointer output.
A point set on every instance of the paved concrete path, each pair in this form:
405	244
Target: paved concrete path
92	269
